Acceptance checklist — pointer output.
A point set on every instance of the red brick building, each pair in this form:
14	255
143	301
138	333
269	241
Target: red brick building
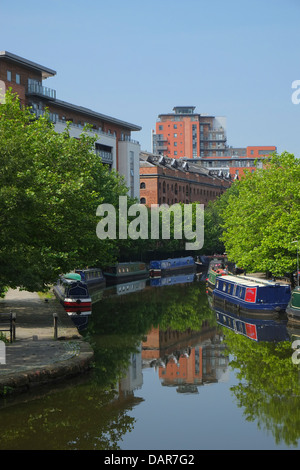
185	133
201	139
167	181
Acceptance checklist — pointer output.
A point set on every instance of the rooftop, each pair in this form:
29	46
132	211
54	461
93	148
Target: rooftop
45	71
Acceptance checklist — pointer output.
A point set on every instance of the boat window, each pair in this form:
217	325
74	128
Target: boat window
78	291
224	287
234	290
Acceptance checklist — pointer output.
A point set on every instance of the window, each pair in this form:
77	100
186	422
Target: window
8	75
160	128
143	185
18	79
143	200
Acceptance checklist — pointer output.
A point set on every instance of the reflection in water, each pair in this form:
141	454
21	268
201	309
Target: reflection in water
171	331
186	359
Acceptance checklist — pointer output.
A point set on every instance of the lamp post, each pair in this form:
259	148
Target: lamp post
296	241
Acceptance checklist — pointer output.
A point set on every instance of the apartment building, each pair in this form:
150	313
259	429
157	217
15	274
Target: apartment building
236	160
201	139
185	133
114	143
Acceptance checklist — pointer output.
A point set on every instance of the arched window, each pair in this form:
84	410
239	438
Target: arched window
143	200
143	185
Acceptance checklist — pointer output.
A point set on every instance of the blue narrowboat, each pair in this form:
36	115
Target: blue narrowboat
171	265
250	295
93	277
293	308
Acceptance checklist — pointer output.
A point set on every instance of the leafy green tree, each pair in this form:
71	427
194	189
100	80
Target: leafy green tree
50	187
261	217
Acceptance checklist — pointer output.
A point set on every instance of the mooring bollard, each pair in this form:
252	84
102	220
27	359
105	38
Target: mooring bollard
14	319
55	318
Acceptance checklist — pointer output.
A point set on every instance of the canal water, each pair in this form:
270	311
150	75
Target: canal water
170	373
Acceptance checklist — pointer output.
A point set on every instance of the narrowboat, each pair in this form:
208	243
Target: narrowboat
293	308
125	272
168	266
73	294
250	295
255	329
92	277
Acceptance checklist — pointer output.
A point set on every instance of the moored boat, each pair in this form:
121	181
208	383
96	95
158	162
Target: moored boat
73	294
250	295
125	272
166	267
293	308
93	277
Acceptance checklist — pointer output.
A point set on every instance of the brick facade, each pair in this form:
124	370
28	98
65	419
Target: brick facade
163	181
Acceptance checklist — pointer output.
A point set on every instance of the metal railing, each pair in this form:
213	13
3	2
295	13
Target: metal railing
37	89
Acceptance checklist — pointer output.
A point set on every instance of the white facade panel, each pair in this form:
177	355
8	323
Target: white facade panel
129	165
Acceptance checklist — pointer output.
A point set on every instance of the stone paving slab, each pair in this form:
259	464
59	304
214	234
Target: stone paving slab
36	357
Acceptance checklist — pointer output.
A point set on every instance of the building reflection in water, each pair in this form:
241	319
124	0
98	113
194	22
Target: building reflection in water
186	359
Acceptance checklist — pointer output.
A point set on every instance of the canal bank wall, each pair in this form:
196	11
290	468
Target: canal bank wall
40	354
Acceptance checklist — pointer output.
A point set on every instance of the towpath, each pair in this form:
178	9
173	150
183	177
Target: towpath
36	357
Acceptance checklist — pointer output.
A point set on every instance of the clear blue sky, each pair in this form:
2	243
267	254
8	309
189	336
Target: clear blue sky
136	59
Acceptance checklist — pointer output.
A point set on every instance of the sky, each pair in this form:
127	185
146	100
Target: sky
136	59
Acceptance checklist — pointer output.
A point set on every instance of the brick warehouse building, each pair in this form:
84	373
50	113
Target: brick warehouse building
167	181
114	143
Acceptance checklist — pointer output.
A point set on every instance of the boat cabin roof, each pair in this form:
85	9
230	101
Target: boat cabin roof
249	281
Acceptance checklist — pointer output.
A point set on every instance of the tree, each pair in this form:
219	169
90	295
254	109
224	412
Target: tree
261	217
50	187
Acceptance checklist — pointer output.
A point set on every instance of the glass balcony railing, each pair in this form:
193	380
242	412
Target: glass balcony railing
37	89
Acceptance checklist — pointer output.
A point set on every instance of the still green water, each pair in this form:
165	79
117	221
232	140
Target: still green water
167	376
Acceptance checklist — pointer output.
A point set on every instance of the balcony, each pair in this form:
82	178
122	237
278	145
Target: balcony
40	90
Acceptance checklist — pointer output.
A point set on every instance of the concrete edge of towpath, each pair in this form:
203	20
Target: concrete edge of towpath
17	382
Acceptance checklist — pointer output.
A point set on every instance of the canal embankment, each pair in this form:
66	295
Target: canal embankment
47	347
